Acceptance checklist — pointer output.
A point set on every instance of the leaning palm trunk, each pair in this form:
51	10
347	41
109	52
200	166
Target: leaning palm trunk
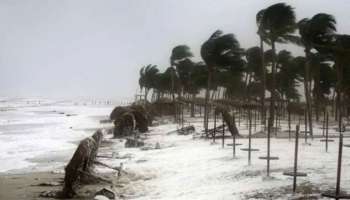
263	79
273	92
307	91
339	68
173	93
206	108
193	105
317	95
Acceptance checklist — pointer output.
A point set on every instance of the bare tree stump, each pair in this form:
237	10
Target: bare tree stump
81	163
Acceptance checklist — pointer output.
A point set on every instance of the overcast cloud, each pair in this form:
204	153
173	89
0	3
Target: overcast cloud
84	48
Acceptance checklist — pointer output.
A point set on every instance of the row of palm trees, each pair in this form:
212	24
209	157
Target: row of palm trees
231	72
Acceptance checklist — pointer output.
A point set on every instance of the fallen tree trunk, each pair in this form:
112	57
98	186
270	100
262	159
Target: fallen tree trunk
81	164
228	119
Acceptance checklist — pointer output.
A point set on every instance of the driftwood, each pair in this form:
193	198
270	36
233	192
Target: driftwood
186	130
81	164
133	142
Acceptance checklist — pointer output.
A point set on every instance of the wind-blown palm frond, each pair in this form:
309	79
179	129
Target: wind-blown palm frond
179	53
278	20
317	30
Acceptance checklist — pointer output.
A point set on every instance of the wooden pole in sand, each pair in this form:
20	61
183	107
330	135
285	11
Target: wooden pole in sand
250	136
295	172
305	122
296	158
327	138
337	194
223	132
289	131
214	132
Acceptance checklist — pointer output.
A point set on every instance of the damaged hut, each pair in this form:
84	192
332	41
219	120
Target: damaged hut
130	118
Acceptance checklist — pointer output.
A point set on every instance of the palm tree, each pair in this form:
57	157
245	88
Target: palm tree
178	54
219	50
277	24
254	69
287	76
262	38
313	31
147	78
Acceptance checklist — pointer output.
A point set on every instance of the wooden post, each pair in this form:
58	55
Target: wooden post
276	119
337	194
249	149
223	132
268	153
214	132
255	116
340	153
250	136
295	172
305	122
324	122
239	116
327	132
289	124
296	158
327	138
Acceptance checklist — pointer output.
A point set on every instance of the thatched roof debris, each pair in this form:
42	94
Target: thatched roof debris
131	118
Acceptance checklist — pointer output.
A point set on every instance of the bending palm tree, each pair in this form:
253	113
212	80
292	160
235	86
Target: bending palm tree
262	36
277	24
219	50
312	32
178	53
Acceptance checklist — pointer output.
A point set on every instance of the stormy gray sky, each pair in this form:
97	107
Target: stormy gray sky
85	48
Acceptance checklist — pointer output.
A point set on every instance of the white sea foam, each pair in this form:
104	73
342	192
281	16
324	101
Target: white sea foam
31	128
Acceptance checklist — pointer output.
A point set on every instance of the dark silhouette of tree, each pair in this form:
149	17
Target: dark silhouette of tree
147	78
312	32
178	54
218	51
277	25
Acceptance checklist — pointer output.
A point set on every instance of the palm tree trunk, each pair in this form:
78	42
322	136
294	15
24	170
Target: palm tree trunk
263	79
307	90
192	105
339	69
146	93
273	88
317	94
207	94
173	92
272	105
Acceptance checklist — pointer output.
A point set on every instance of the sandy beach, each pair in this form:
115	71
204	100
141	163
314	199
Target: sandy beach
172	166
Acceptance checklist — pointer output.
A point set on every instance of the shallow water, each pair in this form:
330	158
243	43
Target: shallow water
36	133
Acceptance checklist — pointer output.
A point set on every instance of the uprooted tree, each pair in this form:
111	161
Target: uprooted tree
129	118
80	167
228	119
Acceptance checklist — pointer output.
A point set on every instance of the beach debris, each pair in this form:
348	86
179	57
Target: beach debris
127	119
132	142
101	197
53	183
109	194
186	130
80	167
50	194
157	145
146	148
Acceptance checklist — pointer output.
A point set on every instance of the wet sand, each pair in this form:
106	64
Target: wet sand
26	186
